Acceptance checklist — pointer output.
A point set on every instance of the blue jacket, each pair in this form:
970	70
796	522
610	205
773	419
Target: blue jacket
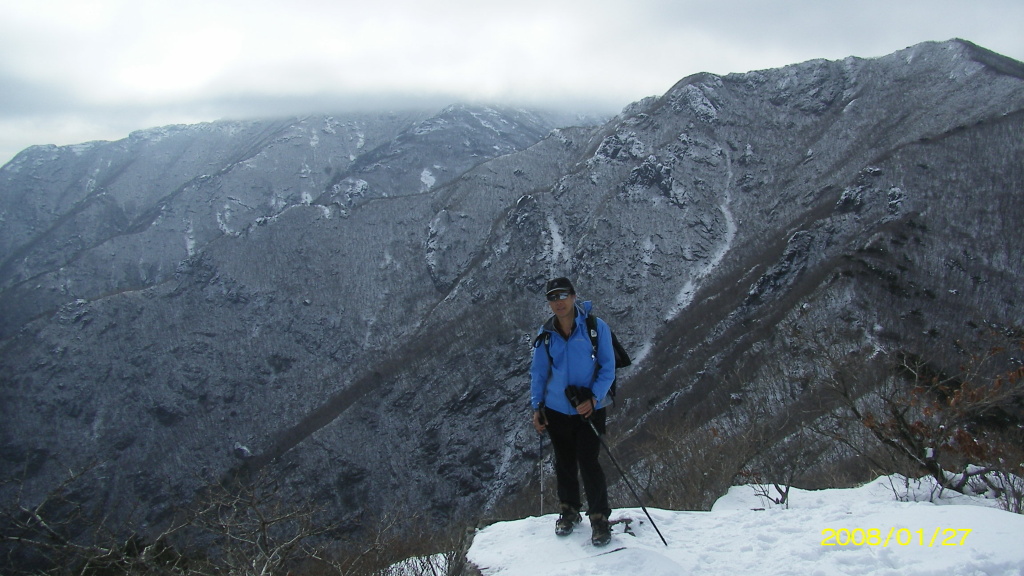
571	363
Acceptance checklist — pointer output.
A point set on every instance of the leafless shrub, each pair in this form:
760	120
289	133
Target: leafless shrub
963	427
58	535
243	528
687	469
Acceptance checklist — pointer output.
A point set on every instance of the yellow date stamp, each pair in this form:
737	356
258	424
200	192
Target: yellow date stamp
894	537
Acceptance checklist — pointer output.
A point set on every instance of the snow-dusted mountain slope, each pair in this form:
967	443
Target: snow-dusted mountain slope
345	303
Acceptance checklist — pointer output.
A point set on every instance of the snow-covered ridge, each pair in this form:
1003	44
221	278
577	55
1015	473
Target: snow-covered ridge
886	527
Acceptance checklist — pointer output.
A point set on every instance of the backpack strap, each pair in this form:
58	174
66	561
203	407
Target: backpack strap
544	337
592	331
621	356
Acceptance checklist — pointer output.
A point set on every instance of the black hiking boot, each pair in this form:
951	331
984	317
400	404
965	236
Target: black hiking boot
602	531
568	519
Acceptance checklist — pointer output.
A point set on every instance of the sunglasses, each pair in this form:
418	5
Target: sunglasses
555	296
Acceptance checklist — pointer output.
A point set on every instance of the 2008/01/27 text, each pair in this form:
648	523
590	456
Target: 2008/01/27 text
895	536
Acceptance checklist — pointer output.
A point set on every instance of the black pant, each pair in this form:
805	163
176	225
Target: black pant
576	451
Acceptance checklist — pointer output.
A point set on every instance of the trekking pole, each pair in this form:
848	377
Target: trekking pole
540	462
625	478
540	456
574	400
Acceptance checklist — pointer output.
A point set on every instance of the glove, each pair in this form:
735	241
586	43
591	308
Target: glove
540	423
582	399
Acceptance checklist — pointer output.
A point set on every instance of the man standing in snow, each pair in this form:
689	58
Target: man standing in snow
569	382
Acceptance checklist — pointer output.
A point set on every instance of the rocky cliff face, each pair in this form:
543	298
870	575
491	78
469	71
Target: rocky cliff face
346	303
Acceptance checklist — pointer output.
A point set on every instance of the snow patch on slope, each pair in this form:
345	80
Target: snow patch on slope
685	295
427	179
558	252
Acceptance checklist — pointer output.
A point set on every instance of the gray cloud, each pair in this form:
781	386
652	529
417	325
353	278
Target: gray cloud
74	72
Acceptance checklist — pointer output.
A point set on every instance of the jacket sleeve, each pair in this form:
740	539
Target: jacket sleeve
606	360
540	371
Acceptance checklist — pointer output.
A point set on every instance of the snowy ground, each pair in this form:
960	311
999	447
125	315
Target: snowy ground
744	534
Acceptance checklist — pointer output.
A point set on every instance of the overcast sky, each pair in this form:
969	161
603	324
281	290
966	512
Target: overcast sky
73	71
